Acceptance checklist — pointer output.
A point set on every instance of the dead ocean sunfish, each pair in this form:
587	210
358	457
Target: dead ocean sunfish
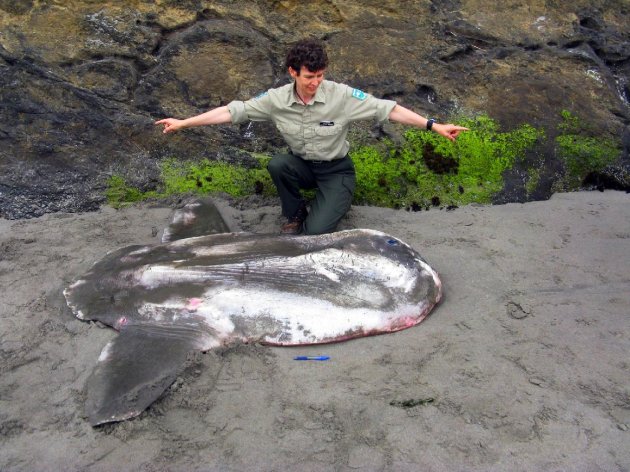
202	292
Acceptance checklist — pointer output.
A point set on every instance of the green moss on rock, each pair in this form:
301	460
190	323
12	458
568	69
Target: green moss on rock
202	177
210	177
427	169
118	193
424	170
581	152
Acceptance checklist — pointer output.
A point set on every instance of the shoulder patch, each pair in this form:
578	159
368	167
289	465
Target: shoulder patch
261	95
359	94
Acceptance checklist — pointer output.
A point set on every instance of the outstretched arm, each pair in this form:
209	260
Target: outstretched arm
405	116
215	116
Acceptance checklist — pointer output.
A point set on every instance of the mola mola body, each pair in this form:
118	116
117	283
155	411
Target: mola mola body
199	293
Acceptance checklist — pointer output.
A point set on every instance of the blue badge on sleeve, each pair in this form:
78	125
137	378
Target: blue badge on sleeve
359	94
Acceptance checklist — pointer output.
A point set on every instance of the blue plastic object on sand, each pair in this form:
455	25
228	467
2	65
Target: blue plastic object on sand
311	358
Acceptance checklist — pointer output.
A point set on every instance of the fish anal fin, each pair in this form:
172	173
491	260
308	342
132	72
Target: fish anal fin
134	369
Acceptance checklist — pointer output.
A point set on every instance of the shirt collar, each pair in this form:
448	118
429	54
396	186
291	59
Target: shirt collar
320	95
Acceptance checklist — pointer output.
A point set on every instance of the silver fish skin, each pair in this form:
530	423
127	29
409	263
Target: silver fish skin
203	292
289	290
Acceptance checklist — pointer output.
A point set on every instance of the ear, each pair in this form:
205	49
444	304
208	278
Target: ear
293	73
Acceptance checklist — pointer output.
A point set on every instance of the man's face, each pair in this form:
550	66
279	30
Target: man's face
307	81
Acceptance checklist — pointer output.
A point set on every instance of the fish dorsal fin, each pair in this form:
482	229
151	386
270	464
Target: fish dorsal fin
134	369
198	218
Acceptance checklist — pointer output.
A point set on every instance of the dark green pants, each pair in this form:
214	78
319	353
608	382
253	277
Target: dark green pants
334	182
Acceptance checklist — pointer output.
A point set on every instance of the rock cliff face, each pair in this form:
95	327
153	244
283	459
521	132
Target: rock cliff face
81	82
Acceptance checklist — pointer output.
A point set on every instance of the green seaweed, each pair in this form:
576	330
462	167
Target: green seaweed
207	176
422	170
581	152
426	169
119	194
412	402
533	179
201	177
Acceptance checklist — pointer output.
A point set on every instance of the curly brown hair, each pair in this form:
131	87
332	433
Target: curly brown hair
309	53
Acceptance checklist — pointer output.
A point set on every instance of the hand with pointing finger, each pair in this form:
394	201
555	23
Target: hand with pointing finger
171	124
449	131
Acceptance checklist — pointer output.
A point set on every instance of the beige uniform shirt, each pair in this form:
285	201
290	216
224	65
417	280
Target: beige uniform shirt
318	130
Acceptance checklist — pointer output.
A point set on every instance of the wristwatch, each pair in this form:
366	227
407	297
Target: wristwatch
430	124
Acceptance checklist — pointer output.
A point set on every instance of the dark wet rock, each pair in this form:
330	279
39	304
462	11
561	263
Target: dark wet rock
16	7
625	142
612	178
109	78
78	107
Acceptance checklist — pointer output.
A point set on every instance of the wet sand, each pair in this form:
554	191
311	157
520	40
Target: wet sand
523	366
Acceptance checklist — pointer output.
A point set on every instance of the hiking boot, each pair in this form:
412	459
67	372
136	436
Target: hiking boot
294	224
